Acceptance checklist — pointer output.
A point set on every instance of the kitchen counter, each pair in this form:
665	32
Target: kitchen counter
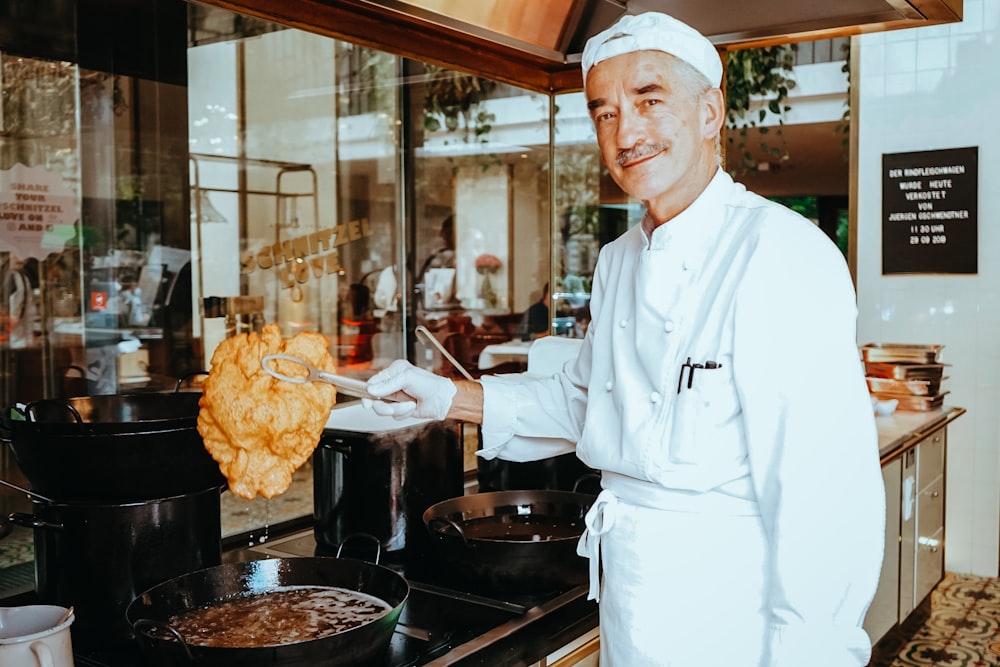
903	428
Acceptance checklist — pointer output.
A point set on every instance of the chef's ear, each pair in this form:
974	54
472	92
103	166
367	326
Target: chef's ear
713	113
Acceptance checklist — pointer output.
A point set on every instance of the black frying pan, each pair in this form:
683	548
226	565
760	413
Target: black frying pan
111	413
362	645
116	447
518	541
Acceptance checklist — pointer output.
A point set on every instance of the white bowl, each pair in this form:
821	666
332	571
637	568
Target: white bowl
883	408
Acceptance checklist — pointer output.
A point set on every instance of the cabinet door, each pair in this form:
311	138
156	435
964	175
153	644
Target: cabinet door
930	539
907	534
930	457
884	610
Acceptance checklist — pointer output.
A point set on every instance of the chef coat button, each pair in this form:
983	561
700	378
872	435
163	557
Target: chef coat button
623	324
655	397
609	386
668	326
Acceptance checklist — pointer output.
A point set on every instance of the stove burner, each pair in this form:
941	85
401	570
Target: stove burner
436	618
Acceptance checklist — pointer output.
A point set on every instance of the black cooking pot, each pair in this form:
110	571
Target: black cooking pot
149	614
520	541
111	447
379	483
558	473
98	556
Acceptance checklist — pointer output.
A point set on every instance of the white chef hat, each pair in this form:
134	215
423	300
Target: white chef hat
654	31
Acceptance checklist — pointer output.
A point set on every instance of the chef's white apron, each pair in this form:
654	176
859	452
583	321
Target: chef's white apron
680	589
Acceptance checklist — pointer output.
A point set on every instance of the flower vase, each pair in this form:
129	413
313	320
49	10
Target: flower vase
487	293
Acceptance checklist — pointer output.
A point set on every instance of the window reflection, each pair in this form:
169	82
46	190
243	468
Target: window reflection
268	174
346	190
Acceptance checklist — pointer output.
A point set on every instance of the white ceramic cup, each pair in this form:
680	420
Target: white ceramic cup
35	636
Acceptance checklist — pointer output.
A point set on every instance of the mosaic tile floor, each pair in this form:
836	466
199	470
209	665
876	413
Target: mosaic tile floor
963	629
18	547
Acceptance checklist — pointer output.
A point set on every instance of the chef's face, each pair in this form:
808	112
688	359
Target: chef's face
656	129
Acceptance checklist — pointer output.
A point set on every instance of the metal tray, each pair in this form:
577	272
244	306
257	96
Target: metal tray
913	403
904	371
905	387
900	352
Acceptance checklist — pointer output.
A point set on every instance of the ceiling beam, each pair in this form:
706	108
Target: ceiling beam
409	35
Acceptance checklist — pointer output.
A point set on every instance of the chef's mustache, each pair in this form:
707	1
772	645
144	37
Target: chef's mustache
639	152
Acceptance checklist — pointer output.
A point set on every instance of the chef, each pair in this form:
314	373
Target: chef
718	390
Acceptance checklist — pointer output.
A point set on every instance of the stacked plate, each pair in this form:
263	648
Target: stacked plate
910	374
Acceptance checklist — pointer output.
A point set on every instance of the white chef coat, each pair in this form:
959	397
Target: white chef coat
780	437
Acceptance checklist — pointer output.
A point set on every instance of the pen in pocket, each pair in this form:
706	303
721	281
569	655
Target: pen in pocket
691	368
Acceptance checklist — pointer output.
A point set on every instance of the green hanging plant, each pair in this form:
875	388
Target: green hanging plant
455	97
753	74
844	127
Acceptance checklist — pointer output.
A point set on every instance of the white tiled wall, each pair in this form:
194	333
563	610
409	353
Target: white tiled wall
929	89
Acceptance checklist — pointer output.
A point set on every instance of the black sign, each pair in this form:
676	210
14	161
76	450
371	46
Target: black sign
929	206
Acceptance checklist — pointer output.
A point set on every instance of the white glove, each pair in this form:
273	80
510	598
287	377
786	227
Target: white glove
431	394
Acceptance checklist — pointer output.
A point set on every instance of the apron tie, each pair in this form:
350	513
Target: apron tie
599	520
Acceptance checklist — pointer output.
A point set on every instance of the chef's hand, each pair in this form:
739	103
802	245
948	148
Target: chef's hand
420	393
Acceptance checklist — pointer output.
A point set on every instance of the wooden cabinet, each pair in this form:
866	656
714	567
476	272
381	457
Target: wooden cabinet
913	562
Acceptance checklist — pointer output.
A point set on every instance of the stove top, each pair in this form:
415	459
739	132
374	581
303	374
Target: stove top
439	625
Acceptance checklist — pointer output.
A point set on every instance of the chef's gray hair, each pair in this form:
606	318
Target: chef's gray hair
696	84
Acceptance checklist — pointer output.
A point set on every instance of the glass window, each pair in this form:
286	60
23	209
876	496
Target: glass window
590	211
203	173
481	218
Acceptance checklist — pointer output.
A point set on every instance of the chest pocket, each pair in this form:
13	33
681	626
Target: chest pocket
704	417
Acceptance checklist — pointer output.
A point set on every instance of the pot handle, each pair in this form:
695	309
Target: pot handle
31	521
14	413
150	624
29	409
22	519
358	536
42	653
585	477
448	523
186	376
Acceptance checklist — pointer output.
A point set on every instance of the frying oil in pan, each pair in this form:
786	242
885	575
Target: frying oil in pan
519	528
286	615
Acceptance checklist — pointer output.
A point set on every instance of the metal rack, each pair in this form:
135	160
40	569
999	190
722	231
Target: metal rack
286	199
281	197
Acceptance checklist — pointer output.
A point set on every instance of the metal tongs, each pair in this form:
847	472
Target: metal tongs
347	385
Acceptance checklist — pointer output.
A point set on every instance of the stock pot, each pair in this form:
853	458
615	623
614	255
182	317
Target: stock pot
97	556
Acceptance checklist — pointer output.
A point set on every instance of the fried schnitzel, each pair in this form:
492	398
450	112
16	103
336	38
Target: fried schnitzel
260	429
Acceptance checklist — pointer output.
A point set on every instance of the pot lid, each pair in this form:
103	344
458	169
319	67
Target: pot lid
356	418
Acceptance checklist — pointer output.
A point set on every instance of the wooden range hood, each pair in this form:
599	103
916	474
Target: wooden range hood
536	44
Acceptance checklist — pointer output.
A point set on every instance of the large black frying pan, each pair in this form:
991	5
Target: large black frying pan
116	447
365	644
518	541
113	413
